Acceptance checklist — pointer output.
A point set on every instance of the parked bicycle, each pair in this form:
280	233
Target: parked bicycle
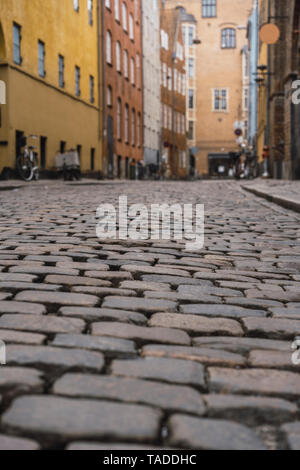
27	161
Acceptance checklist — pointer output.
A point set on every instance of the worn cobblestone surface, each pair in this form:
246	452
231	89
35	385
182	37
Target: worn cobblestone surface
141	342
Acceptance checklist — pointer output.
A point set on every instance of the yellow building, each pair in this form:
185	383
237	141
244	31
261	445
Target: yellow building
263	90
216	71
50	63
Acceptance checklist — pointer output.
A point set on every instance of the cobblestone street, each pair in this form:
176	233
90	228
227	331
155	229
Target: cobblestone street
143	345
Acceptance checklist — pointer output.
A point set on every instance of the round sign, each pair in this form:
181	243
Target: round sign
269	33
238	132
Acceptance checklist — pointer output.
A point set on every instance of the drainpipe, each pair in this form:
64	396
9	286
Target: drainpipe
267	132
102	53
266	173
174	119
99	69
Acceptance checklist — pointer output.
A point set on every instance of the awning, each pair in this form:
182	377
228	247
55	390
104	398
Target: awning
219	156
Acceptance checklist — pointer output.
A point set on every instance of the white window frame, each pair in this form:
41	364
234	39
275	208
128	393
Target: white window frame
124	16
117	10
214	109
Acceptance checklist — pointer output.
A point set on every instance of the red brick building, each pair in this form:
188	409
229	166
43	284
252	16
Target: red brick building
284	66
122	88
173	95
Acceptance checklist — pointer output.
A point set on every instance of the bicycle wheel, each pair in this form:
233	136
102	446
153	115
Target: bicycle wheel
35	168
25	168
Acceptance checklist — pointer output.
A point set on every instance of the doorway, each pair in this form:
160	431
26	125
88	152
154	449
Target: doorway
43	152
19	142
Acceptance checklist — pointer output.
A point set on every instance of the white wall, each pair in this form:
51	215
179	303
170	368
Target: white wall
152	77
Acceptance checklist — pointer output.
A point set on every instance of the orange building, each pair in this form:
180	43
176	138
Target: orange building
174	161
122	88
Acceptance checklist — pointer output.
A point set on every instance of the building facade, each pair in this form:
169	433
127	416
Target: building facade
218	75
151	84
189	28
252	36
278	79
262	79
174	161
122	88
284	95
52	82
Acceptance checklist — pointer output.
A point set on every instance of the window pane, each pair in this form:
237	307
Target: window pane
92	89
209	8
61	67
17	43
41	58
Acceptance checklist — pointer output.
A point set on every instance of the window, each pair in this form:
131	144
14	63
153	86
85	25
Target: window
191	130
108	48
125	63
138	70
107	3
164	75
119	119
169	78
131	27
124	17
228	38
220	100
164	40
92	159
133	127
183	123
132	71
90	11
184	34
92	89
76	5
209	8
126	124
191	99
139	129
17	44
136	10
62	146
109	96
41	59
246	99
77	81
191	68
61	71
191	35
117	10
118	56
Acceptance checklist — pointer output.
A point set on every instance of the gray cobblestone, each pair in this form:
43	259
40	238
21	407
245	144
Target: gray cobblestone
209	434
161	369
20	380
104	314
58	298
47	357
257	381
291	432
228	311
84	419
139	304
250	409
167	397
140	334
196	324
41	324
202	355
10	443
112	347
